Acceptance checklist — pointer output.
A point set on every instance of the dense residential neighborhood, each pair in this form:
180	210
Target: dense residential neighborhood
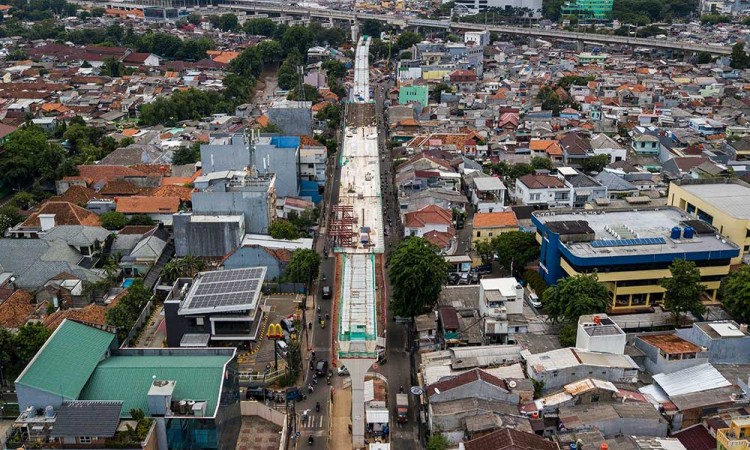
487	225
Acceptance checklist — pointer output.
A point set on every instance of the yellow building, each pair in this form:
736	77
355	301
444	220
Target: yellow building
488	225
736	436
725	204
630	250
434	74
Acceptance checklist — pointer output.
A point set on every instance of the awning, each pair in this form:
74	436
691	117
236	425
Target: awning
376	415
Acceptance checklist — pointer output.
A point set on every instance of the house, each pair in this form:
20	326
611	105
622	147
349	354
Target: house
426	328
617	186
88	241
559	367
146	252
542	190
262	250
735	436
599	333
501	308
429	218
416	93
601	144
141	59
645	144
487	193
51	214
725	342
614	419
18	309
491	224
159	209
575	148
98	385
548	148
667	353
510	439
203	306
584	189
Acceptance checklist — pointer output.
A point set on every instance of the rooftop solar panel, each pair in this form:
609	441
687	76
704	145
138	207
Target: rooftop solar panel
224	290
627	242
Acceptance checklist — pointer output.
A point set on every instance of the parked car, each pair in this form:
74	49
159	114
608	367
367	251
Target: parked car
343	371
321	368
453	278
484	269
464	279
535	301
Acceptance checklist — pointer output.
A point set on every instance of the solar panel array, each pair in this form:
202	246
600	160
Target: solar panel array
226	289
628	242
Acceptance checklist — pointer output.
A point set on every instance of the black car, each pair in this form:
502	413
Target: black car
321	368
258	394
453	278
484	269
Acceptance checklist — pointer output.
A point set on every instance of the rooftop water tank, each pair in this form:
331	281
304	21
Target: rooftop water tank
688	233
675	233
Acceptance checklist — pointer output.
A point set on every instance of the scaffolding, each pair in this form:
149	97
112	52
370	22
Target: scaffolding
342	226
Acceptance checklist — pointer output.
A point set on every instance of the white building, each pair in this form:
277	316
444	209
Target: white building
542	190
480	37
598	333
501	307
312	163
603	144
481	5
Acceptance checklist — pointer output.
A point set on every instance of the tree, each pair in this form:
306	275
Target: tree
187	155
535	282
194	19
703	58
261	27
334	69
283	229
225	22
485	250
297	37
303	266
437	90
185	267
683	290
735	294
515	249
575	296
9	217
407	39
97	11
271	128
739	59
331	113
406	55
372	28
112	68
140	219
596	163
24	200
438	441
126	312
309	94
113	220
540	162
417	273
29	340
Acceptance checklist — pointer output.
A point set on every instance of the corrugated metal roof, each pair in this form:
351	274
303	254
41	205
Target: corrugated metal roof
376	415
693	379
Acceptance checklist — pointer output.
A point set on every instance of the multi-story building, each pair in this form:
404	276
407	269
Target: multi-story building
599	333
588	10
488	225
542	190
736	437
221	307
414	93
630	250
475	6
82	391
501	307
235	192
722	203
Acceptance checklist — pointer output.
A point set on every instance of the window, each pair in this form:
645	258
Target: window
595	398
199	321
479	234
490	234
310	166
86	439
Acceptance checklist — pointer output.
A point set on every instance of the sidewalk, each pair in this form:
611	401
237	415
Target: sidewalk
340	419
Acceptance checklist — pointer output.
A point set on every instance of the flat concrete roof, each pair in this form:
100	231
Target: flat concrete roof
732	199
636	224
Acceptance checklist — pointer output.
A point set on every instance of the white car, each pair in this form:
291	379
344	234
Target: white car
535	301
343	371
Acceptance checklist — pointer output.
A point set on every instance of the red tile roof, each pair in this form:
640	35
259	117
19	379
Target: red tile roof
93	314
696	437
77	195
95	173
431	214
500	219
16	310
510	439
65	214
541	181
465	378
148	205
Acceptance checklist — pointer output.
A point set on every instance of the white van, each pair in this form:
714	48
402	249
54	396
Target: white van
283	347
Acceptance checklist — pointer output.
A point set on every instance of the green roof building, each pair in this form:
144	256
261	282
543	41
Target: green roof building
408	94
191	393
588	10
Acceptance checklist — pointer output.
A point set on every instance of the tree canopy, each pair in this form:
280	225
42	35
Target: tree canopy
575	296
515	249
739	58
17	350
735	294
283	229
417	273
303	266
185	267
596	163
683	290
113	220
126	312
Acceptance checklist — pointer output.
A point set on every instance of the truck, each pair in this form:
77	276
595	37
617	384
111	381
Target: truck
402	408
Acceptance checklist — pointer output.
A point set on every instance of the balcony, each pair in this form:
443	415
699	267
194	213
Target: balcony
729	439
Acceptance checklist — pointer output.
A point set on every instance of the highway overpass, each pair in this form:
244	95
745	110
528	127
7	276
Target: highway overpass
667	44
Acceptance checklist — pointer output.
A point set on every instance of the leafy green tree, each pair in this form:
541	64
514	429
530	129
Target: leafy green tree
540	162
405	55
379	49
518	170
309	94
271	128
407	39
331	113
703	58
126	312
283	229
485	250
535	281
97	11
595	163
140	219
288	74
113	220
713	19
9	217
515	249
683	290
575	296
29	340
187	155
225	22
417	273
297	37
194	19
739	58
185	267
24	200
303	266
112	68
334	69
735	294
372	28
260	27
437	90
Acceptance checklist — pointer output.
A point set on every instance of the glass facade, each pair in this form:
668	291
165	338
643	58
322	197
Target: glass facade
587	10
211	433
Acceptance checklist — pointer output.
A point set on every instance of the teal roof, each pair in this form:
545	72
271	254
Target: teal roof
64	363
128	378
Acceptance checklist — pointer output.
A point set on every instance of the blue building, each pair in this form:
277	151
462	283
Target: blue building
630	250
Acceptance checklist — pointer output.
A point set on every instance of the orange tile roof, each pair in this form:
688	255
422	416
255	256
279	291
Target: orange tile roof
65	214
225	57
93	314
262	121
318	106
123	12
77	195
96	173
541	144
148	205
502	219
409	123
176	181
184	193
431	214
670	343
309	142
16	310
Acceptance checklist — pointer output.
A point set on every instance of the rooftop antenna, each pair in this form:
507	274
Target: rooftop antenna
301	84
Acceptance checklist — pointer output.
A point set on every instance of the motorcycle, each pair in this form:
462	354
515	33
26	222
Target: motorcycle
317	406
310	440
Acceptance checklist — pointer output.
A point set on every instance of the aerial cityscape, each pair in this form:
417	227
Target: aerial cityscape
377	225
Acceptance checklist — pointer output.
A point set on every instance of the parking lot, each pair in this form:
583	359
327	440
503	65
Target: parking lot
261	354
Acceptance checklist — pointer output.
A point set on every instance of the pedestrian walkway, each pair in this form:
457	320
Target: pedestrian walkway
313	422
341	437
